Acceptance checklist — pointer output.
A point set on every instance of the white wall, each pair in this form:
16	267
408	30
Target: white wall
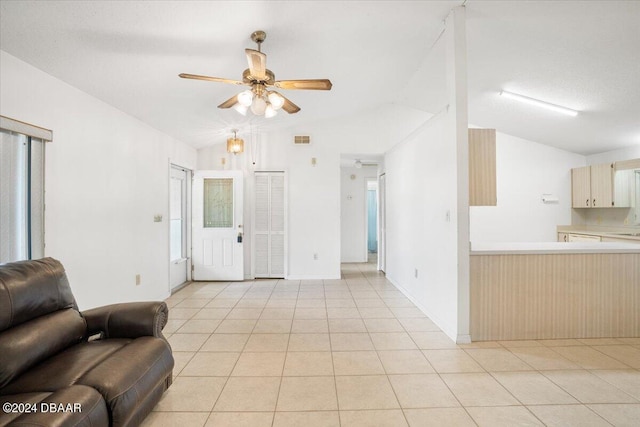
314	202
618	217
420	189
526	170
427	201
353	212
107	175
614	155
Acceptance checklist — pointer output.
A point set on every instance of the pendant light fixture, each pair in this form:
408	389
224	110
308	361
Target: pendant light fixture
235	145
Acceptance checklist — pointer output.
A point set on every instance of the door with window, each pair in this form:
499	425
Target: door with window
217	225
178	221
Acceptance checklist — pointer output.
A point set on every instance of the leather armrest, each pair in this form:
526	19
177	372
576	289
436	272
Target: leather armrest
127	320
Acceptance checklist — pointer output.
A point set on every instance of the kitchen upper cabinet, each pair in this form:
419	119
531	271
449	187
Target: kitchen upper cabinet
593	187
602	185
482	167
581	187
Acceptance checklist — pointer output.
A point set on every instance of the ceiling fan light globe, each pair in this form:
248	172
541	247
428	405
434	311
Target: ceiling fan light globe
276	100
245	98
240	108
258	106
270	111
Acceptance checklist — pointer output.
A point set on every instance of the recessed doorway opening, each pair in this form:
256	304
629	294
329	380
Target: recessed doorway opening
372	221
359	208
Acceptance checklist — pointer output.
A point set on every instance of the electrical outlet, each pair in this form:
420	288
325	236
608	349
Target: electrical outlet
315	257
138	279
415	273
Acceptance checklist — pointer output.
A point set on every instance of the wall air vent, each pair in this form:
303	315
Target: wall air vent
302	139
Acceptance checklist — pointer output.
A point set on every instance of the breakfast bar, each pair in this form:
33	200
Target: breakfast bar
553	290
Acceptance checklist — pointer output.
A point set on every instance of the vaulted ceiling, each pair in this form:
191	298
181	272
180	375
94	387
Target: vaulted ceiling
581	54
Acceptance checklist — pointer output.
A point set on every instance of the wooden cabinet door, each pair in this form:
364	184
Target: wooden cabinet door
581	187
482	167
563	237
602	186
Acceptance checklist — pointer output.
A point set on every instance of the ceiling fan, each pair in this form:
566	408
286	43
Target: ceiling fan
260	99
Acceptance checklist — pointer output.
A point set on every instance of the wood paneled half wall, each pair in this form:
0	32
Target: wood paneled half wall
550	296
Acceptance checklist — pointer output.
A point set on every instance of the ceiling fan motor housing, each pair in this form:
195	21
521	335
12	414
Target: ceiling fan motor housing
247	78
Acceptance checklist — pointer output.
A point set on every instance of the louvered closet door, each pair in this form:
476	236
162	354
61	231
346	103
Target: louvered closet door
269	226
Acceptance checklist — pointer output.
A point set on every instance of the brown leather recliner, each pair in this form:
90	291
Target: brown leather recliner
52	374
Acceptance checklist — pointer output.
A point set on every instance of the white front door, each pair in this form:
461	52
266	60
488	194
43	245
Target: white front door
217	225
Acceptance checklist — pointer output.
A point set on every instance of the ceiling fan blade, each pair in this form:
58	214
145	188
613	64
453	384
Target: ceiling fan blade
229	102
289	106
257	64
314	84
211	79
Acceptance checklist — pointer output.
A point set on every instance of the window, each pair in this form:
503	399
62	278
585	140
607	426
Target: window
21	190
218	203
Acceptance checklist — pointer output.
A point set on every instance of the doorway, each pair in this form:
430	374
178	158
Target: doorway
382	225
359	208
179	224
372	221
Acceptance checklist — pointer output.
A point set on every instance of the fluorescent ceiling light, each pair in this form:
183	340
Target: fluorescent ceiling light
532	101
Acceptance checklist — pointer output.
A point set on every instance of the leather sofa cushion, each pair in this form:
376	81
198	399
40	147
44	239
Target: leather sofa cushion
30	289
129	375
65	368
93	409
27	344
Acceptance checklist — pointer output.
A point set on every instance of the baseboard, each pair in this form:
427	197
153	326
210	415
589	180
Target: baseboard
311	277
179	287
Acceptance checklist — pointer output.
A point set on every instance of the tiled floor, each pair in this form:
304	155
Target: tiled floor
356	352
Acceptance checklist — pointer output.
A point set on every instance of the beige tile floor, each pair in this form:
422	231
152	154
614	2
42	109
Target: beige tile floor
355	352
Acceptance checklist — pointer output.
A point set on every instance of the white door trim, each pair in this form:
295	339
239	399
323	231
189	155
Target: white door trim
186	226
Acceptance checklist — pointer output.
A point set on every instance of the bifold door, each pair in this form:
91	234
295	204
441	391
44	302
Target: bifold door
269	228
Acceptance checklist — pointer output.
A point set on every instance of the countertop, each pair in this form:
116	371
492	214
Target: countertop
519	248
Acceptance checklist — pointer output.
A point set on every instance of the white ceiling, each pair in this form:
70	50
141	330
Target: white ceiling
583	55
